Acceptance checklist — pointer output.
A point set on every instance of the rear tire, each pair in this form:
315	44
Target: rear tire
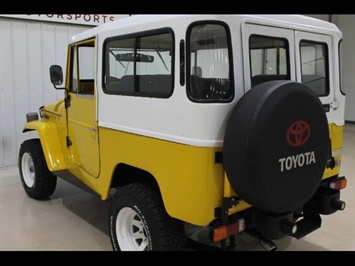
36	179
138	221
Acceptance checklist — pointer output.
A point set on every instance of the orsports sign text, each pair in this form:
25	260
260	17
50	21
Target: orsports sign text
84	19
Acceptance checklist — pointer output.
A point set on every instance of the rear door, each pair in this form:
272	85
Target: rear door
268	54
313	63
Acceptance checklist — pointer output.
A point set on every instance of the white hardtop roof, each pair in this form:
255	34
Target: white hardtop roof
136	20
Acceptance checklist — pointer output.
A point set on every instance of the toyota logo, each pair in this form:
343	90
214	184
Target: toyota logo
298	133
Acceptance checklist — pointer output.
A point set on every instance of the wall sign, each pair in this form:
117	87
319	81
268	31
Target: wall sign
84	19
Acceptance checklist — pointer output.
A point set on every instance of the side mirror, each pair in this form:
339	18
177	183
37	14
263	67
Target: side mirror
56	75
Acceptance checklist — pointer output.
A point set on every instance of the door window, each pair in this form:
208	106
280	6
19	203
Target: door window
314	66
83	68
269	59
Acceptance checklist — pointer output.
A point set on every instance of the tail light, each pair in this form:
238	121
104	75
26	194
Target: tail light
339	183
225	231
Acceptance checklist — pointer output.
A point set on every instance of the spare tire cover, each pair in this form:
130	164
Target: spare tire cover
276	146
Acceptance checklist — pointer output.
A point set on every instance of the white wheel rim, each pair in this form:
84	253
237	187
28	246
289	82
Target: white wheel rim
130	231
28	169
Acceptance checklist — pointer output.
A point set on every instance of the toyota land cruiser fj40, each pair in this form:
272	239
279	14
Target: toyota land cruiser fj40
232	123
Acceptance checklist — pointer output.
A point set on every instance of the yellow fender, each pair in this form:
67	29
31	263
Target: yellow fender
51	145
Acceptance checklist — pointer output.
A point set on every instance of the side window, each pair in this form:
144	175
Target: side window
83	68
314	66
208	63
141	65
269	59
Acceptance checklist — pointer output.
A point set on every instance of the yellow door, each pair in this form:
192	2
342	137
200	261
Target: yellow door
82	120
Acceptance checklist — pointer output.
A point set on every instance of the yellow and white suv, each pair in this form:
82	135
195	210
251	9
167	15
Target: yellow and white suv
228	122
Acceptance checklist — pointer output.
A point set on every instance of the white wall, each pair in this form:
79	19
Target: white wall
346	23
27	49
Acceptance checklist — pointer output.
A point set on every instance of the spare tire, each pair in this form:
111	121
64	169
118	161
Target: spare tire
276	146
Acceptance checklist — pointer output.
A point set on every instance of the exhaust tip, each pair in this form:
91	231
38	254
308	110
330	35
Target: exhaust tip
268	245
265	243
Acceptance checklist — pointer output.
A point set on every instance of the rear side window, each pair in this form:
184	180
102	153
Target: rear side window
139	65
209	63
314	66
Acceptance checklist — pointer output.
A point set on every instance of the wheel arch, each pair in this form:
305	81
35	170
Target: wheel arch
125	174
50	142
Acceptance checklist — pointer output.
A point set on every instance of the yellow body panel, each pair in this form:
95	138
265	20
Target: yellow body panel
50	140
336	135
190	181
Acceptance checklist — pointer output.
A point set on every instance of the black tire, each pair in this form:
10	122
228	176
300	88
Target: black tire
36	179
138	221
276	146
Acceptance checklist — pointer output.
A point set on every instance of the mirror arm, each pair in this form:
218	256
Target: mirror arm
67	95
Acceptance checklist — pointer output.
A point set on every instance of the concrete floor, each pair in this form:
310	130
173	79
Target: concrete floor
74	220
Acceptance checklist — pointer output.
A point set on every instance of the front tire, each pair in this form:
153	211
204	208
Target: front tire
36	179
138	221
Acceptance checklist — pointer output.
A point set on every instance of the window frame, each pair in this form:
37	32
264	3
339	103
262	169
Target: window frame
325	65
135	36
75	81
188	63
267	77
